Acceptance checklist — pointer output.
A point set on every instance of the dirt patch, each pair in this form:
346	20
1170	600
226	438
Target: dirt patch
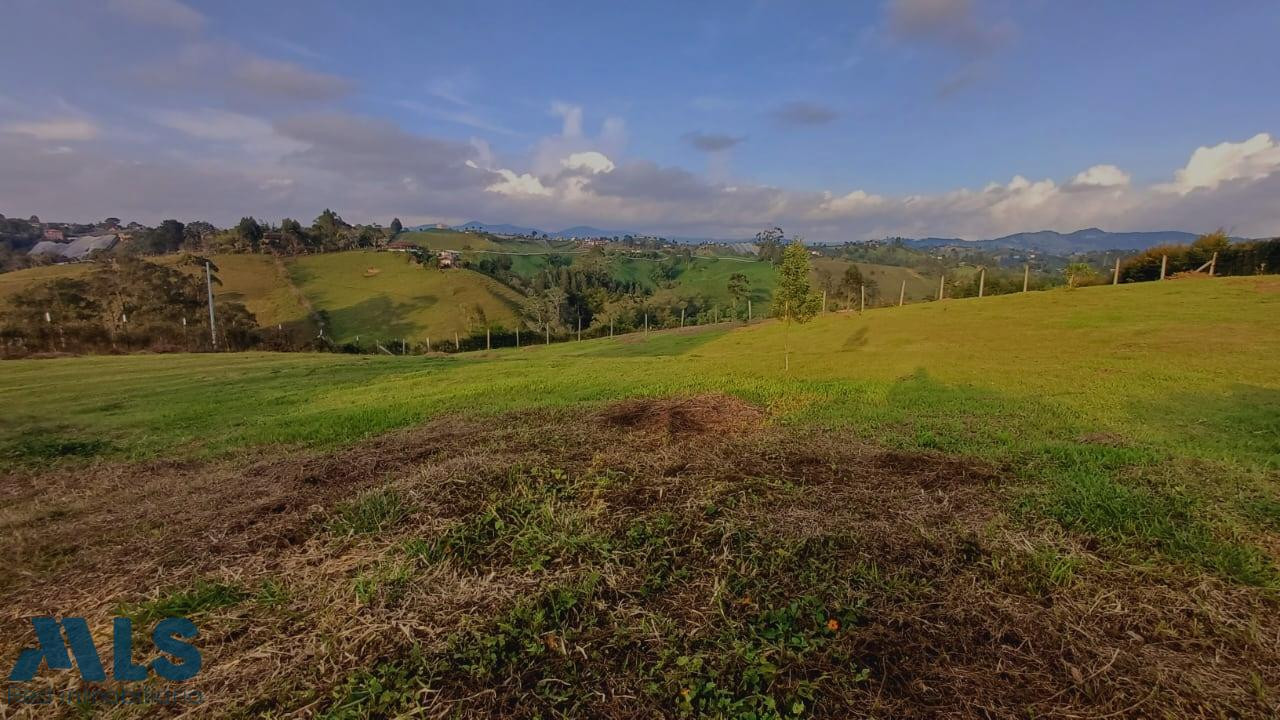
559	564
682	415
1105	439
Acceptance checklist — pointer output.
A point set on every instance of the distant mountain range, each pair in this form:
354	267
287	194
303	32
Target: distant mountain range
1057	243
578	231
1046	241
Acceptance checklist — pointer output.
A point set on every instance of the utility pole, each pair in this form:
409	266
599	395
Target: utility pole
982	281
1164	265
748	311
902	293
579	327
1026	276
1115	277
862	307
941	280
487	344
208	281
824	301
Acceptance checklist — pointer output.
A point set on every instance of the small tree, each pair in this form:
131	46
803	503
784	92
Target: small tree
794	299
396	227
739	289
851	283
769	245
249	233
1078	272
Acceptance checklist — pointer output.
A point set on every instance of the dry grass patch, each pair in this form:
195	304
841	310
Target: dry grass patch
671	557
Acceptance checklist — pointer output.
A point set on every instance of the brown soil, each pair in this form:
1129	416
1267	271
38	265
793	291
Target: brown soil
954	624
683	415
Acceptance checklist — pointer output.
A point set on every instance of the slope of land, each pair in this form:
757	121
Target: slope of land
262	285
385	296
18	280
1057	504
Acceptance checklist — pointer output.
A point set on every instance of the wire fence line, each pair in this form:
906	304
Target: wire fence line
184	333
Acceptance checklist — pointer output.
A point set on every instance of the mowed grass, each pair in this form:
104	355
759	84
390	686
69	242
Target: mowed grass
382	295
1188	368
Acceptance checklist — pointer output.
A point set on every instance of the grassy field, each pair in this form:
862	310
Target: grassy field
262	285
383	295
1176	367
19	280
1063	503
888	279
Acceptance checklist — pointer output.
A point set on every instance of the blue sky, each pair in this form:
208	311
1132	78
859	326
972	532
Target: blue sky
841	121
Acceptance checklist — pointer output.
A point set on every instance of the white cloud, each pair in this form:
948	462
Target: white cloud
1255	158
513	184
61	129
1101	176
849	204
590	160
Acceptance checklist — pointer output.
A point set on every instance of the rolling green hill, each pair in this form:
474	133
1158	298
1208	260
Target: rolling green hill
385	295
261	284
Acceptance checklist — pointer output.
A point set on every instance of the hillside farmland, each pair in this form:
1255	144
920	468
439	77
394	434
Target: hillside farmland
931	497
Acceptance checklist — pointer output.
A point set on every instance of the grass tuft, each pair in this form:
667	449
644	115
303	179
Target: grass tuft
204	596
373	512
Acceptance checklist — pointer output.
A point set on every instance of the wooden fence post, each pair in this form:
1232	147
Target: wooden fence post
456	345
681	317
862	304
1164	265
1115	276
748	310
1026	276
488	345
428	343
579	327
902	293
982	282
824	301
610	326
942	279
1213	263
517	336
548	326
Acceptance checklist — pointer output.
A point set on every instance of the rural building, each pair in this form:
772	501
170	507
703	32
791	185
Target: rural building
399	246
54	235
447	259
